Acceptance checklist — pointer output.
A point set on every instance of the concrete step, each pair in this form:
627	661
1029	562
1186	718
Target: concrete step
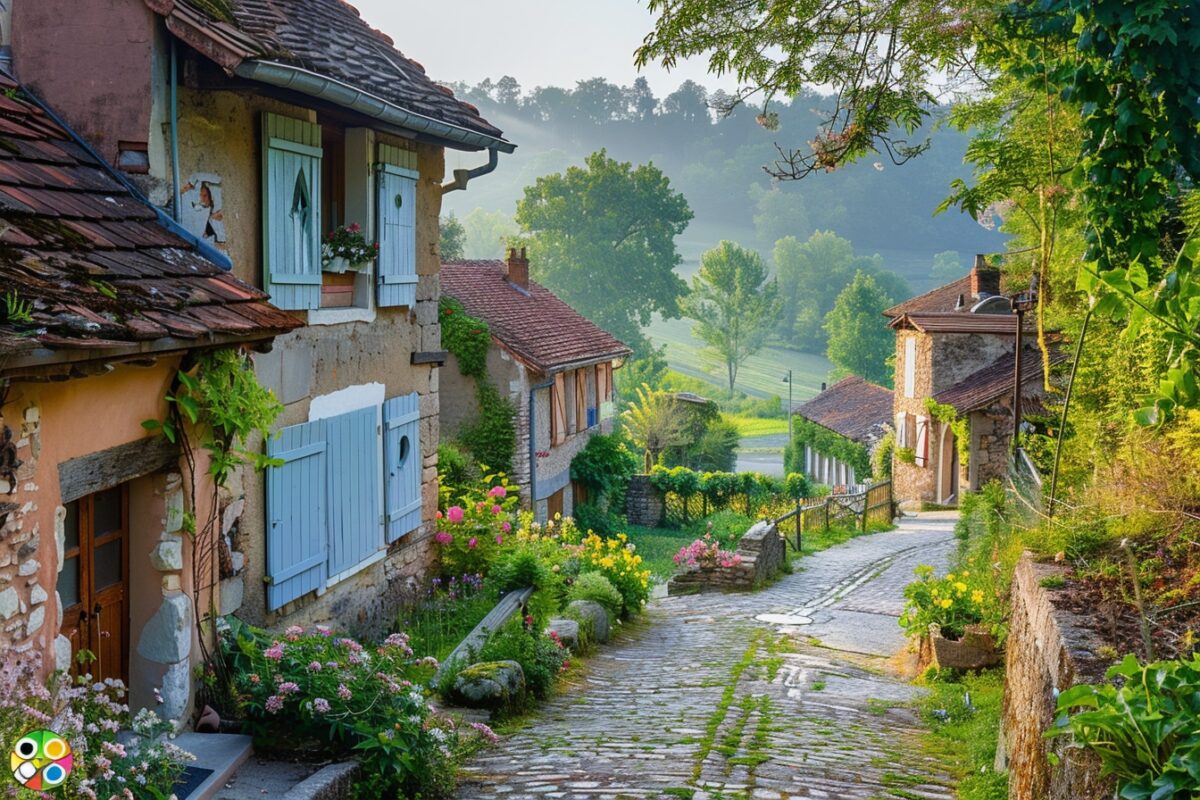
223	753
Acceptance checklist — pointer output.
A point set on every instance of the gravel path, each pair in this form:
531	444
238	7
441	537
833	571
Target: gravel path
784	693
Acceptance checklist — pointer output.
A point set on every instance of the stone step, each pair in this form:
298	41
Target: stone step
223	753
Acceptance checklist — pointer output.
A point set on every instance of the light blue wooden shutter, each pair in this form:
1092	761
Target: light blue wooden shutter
292	211
396	177
402	462
296	521
355	482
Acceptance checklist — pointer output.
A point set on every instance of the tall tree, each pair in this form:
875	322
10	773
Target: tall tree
859	340
603	237
734	305
640	99
508	91
689	102
655	422
453	238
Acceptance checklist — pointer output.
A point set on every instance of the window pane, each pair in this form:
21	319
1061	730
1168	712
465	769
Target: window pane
107	571
68	582
107	512
71	525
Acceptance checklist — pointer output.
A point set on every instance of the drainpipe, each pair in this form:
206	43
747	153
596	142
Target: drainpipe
176	198
463	176
533	443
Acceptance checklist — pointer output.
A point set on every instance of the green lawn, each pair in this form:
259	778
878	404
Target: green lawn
762	374
757	426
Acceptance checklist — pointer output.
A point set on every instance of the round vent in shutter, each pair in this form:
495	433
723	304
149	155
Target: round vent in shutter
399	201
404	448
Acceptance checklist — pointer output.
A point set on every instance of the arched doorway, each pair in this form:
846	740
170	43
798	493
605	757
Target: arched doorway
948	467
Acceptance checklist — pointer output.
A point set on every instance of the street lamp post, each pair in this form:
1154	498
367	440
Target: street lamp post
788	381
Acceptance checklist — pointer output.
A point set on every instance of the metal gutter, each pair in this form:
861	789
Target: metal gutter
463	176
176	197
297	79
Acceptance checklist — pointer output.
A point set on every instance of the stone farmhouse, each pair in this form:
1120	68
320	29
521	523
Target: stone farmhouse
859	414
257	130
552	363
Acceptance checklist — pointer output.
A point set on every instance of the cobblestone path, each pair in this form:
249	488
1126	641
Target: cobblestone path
725	697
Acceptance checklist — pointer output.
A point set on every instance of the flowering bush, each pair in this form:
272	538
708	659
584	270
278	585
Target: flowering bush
471	531
616	559
89	715
706	553
348	242
542	657
328	688
952	602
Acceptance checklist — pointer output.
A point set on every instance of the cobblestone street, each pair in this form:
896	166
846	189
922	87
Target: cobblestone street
785	693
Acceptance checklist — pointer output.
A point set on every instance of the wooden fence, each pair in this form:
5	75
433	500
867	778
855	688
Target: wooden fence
872	505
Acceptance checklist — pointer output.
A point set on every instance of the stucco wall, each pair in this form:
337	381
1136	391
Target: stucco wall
219	135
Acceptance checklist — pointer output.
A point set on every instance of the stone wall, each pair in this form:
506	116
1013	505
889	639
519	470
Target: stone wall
643	503
1049	649
762	552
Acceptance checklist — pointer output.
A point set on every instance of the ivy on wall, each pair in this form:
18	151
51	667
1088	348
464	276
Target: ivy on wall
492	437
824	441
961	428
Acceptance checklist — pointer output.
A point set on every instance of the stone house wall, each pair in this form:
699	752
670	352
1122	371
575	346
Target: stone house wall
1049	649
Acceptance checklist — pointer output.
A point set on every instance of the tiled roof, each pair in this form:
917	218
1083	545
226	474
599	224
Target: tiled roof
957	322
326	37
534	325
981	388
91	261
851	407
943	298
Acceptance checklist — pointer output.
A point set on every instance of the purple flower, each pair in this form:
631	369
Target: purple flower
274	704
314	666
288	687
321	705
343	692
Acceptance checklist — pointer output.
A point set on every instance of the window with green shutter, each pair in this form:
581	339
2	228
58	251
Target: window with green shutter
292	211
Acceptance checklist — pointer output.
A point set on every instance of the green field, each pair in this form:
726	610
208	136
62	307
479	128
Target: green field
762	374
757	426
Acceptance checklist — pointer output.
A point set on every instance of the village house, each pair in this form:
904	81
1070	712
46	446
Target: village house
102	301
265	127
553	364
851	418
955	345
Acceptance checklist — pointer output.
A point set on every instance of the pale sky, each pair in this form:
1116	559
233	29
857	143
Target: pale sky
538	42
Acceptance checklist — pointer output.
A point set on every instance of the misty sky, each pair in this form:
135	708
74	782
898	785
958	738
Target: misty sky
538	42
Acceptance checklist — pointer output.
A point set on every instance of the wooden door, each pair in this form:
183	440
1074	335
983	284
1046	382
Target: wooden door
94	582
554	504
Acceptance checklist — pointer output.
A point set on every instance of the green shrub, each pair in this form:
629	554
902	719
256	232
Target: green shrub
1144	731
524	566
540	657
456	470
595	587
591	517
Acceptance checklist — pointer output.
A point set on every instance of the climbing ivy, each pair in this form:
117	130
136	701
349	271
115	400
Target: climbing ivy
961	428
492	437
819	438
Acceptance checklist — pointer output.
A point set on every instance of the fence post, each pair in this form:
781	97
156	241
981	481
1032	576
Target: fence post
799	528
826	513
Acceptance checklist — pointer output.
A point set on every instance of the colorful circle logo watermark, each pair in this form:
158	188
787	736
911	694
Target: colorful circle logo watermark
41	760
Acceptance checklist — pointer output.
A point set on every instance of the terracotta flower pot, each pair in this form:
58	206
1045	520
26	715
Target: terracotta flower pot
975	650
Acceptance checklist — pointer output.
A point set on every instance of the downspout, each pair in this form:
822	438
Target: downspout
463	176
533	443
176	198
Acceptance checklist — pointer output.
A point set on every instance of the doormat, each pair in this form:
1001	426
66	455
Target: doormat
190	781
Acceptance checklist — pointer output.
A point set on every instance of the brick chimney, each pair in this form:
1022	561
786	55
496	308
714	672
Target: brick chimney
985	279
518	268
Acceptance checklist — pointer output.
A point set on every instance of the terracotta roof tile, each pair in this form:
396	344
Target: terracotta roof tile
851	407
327	37
981	388
943	298
536	326
91	259
957	322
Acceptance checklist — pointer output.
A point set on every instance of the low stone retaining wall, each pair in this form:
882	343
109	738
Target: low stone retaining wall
763	553
1049	649
644	505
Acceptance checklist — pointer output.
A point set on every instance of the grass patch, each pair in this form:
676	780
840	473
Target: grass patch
818	686
964	737
757	426
722	710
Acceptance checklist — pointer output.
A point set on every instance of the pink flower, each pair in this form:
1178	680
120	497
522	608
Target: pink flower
343	692
438	515
506	526
442	537
274	704
255	679
454	514
288	687
275	651
472	543
314	666
499	538
497	491
354	227
496	509
321	705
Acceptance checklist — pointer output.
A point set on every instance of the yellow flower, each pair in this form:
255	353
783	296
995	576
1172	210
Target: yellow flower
950	576
965	574
977	596
947	602
934	591
960	587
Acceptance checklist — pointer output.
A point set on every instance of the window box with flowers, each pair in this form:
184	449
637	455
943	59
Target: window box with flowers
346	255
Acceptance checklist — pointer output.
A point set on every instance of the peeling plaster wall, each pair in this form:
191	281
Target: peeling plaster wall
220	134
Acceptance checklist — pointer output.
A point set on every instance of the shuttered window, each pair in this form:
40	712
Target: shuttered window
347	485
297	529
292	211
402	465
922	448
558	410
604	390
396	179
910	367
582	420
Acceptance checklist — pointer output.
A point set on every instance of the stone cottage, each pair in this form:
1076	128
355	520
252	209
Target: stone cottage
955	345
266	127
555	365
858	413
102	301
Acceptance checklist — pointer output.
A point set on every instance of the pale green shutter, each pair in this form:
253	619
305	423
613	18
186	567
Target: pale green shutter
292	211
396	178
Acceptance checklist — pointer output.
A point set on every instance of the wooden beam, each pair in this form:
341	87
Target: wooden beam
437	357
89	474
